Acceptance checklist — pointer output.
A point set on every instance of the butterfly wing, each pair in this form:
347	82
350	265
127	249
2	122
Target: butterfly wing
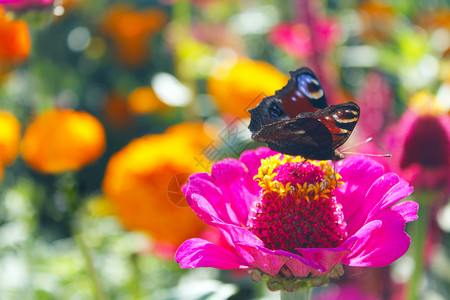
340	120
266	112
302	93
298	121
305	136
314	135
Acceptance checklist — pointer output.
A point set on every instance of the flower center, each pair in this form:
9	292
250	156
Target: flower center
297	207
296	173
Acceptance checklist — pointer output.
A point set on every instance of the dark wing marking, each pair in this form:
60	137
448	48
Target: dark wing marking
266	112
304	136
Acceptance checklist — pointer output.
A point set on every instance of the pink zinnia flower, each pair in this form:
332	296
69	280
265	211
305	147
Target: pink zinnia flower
304	224
420	144
295	39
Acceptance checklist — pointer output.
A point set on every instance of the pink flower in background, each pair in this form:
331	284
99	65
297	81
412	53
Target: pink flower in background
296	224
420	145
376	99
347	292
295	39
26	4
419	142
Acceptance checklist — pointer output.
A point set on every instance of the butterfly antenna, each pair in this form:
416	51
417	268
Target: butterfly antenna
362	143
369	154
366	154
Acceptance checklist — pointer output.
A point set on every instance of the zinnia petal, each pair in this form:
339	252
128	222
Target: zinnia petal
236	235
358	173
252	159
197	252
384	240
408	210
231	177
206	200
265	261
328	257
385	191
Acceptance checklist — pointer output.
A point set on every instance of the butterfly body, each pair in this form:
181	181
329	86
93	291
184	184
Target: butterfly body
298	121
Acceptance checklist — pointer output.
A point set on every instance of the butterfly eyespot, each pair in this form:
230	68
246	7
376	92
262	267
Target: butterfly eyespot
275	110
309	86
349	114
346	116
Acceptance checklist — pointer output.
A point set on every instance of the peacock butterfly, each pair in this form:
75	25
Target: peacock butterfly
298	121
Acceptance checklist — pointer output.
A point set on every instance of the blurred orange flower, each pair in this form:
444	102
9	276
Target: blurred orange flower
143	182
378	20
116	110
15	42
9	139
68	4
239	85
130	31
143	100
62	140
434	19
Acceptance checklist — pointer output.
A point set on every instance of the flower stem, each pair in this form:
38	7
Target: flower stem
101	295
307	9
182	29
182	25
418	232
308	13
301	294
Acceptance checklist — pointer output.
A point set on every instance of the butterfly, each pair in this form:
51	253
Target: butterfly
298	121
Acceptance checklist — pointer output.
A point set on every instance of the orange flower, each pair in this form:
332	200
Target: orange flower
116	110
378	20
239	85
67	4
143	100
15	42
143	182
434	19
130	31
9	139
62	140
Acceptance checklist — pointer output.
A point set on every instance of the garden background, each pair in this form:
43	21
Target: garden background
108	106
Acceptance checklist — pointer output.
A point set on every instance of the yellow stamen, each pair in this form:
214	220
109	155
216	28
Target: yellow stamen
266	175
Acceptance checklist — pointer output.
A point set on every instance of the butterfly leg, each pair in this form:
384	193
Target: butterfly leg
306	158
334	172
334	169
